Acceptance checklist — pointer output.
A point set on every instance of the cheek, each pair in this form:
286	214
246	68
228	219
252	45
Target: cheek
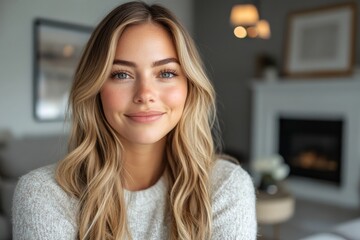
176	97
111	98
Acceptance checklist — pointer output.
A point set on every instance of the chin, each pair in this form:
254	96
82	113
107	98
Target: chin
146	140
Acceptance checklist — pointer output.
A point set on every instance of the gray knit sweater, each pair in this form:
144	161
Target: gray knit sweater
42	210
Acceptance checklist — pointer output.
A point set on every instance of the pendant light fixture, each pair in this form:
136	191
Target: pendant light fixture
247	23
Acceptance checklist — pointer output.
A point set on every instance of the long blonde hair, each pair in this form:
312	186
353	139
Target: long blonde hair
93	169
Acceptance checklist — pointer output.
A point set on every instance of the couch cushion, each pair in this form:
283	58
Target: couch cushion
324	236
350	229
7	189
20	156
5	228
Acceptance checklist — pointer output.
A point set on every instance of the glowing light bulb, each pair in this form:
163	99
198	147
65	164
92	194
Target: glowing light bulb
240	32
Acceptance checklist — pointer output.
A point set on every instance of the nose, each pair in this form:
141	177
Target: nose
145	92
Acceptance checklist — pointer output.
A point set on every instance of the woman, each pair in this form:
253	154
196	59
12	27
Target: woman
141	161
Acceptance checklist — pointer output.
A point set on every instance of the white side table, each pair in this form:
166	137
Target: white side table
274	209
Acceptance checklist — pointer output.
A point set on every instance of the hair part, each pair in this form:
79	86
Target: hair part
91	170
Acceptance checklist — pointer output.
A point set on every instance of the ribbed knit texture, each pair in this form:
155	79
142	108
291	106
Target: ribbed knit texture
42	210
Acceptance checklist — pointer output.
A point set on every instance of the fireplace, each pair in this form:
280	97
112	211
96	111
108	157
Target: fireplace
312	148
315	125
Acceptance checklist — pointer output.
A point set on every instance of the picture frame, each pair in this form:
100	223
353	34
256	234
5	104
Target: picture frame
57	50
321	42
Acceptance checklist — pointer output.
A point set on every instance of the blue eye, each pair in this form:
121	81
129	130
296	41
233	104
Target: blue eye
168	74
120	75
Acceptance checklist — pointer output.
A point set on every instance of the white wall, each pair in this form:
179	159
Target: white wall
16	56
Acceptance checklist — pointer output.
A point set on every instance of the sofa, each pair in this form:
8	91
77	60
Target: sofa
345	231
18	156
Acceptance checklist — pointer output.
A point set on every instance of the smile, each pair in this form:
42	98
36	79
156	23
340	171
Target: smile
145	117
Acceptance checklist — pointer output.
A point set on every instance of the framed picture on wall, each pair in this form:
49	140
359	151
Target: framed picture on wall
57	50
321	42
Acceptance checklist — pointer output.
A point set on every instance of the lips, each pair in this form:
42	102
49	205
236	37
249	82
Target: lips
145	117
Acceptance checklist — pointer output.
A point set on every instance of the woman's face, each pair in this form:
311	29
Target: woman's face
144	96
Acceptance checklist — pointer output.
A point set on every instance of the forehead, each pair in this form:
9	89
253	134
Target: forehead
145	40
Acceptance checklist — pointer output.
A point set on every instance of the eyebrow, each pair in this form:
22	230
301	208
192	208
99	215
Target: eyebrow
165	61
154	64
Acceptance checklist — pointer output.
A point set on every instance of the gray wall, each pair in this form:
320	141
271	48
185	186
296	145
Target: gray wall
16	57
231	61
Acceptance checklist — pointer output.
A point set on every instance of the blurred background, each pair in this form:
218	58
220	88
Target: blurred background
292	89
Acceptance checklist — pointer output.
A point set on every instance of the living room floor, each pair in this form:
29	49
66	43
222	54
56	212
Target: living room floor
309	218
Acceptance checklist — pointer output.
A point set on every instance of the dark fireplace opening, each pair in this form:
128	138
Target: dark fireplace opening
312	147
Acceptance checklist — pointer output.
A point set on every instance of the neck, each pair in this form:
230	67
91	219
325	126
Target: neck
144	165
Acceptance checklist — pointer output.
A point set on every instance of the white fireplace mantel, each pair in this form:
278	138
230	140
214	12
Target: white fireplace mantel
311	98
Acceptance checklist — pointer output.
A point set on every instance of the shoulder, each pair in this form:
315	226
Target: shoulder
227	173
233	202
38	179
41	209
37	186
